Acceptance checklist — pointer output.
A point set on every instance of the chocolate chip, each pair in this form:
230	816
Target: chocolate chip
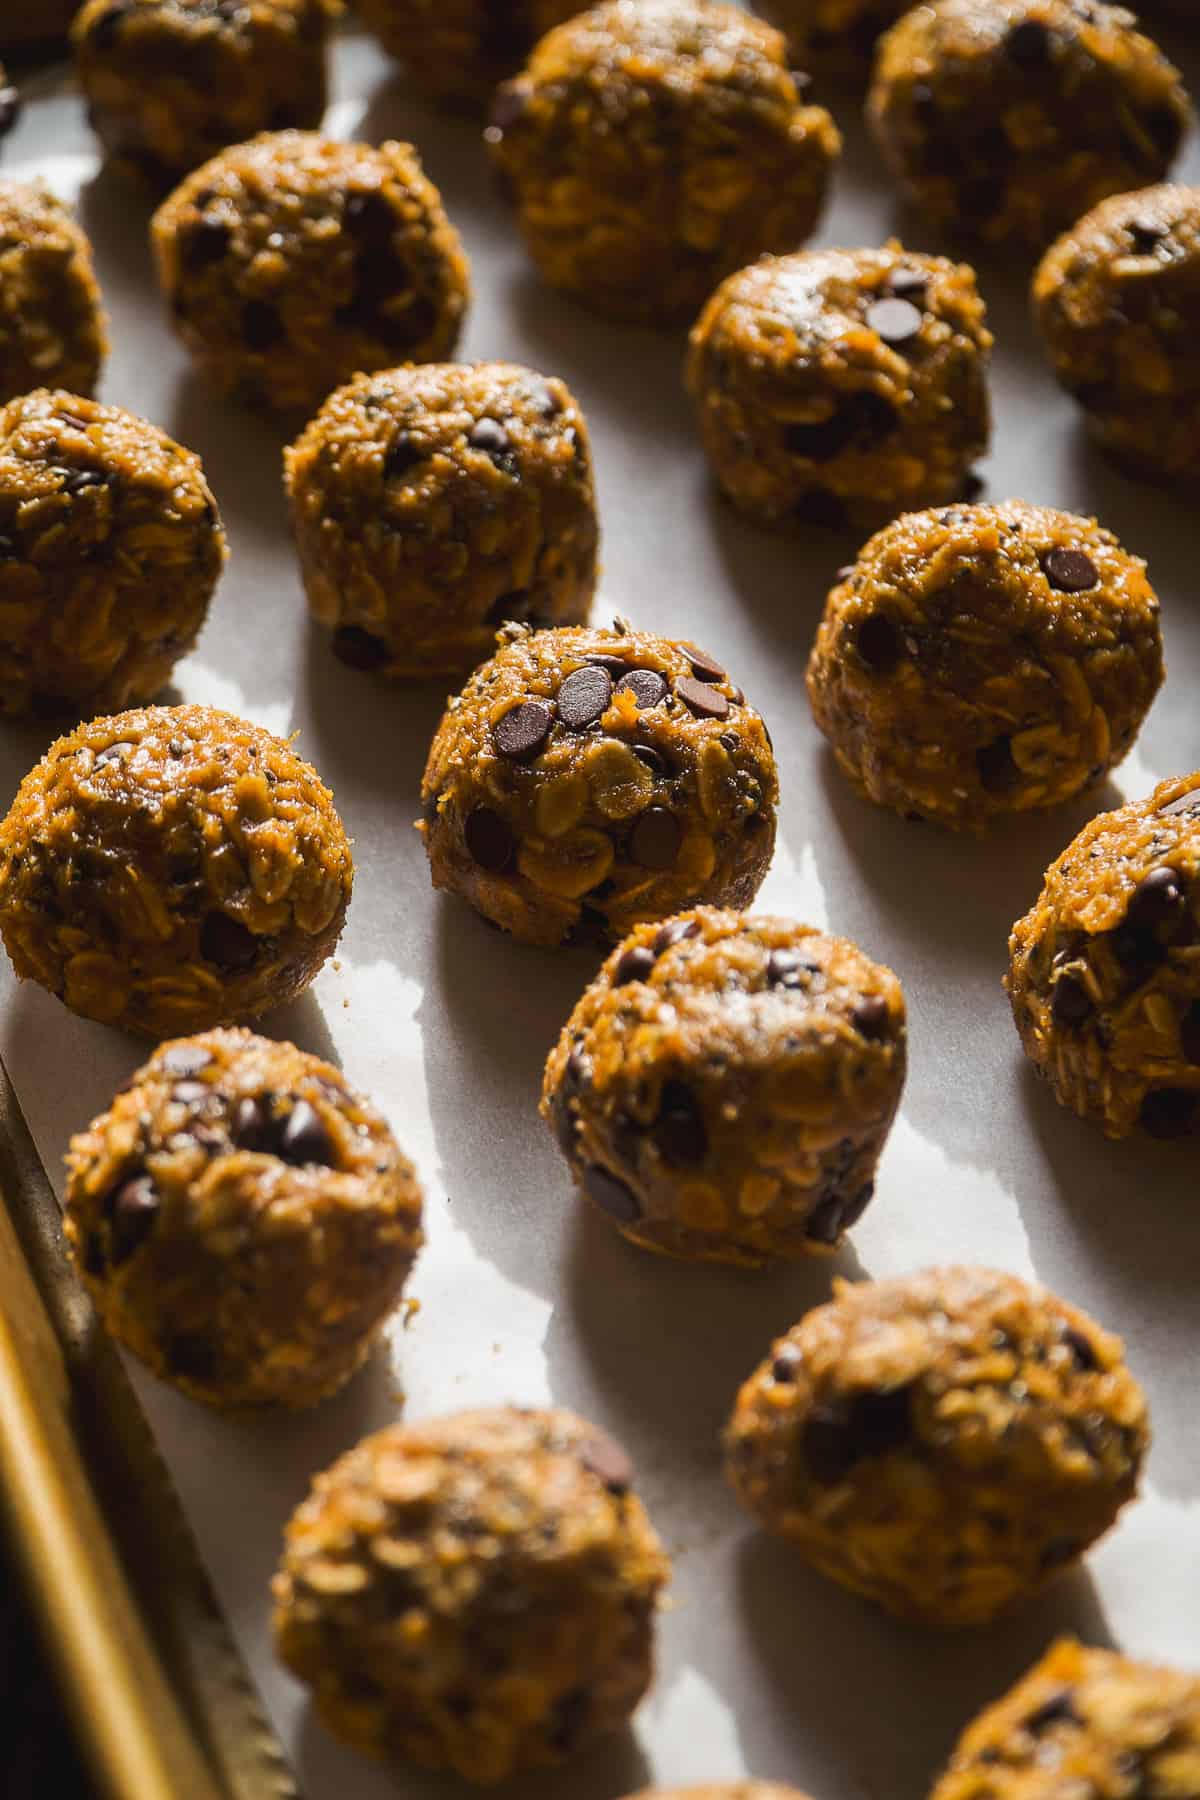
77	481
193	1356
184	1059
645	685
520	733
132	1211
369	217
488	839
617	666
728	741
704	667
1070	571
253	1125
1081	1348
205	243
997	770
403	453
610	1194
609	1461
1168	1112
787	1366
1070	1001
701	699
490	436
1138	952
584	697
1056	1709
359	649
1182	805
674	932
1158	902
864	414
655	839
909	284
848	1430
787	969
879	643
679	1130
1189	1032
654	760
871	1017
227	942
1145	236
261	326
304	1138
895	321
1028	45
10	109
635	965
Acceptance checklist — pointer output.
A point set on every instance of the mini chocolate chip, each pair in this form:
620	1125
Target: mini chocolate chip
674	932
113	753
655	839
261	325
490	436
1081	1348
403	453
895	321
1157	902
786	969
879	643
1168	1112
609	1461
844	1432
132	1210
520	732
1056	1709
253	1126
704	667
1028	45
369	217
610	1194
1189	1032
193	1356
489	841
679	1130
871	1017
205	243
77	481
646	686
909	284
1145	235
304	1138
583	697
184	1059
1070	571
359	649
635	965
1070	1001
227	942
701	699
190	1093
787	1366
864	414
997	770
654	760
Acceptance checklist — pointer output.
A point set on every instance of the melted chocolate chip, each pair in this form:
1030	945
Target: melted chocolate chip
261	325
609	1461
895	321
679	1130
359	649
584	697
635	965
1081	1348
227	942
879	643
871	1017
846	1431
521	732
610	1194
1158	903
674	932
1169	1112
646	686
655	838
303	1138
132	1210
77	481
184	1059
1070	1001
489	841
1070	571
654	759
701	699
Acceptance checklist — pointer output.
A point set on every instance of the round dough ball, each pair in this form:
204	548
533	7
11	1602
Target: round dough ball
432	504
724	1087
1103	977
244	1221
293	262
110	549
837	37
475	1593
52	324
585	780
943	1443
171	869
1007	119
455	52
1085	1723
1117	301
651	149
168	83
840	387
985	661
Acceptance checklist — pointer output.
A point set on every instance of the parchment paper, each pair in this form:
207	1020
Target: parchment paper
765	1667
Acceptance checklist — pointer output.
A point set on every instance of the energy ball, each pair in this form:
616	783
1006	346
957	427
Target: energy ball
586	780
1082	1722
432	504
244	1221
1117	301
110	549
1103	977
52	325
840	387
475	1593
456	52
293	262
838	37
651	149
943	1443
172	869
725	1086
169	83
985	660
1007	119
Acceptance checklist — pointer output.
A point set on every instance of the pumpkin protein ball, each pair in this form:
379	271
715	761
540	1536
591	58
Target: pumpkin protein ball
1102	976
985	660
1007	119
585	780
1082	1723
1117	302
725	1085
244	1221
292	263
456	52
169	83
840	387
110	550
171	869
52	324
651	148
477	1592
942	1443
431	504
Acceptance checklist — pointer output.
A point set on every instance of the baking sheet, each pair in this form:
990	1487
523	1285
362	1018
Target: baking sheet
765	1667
